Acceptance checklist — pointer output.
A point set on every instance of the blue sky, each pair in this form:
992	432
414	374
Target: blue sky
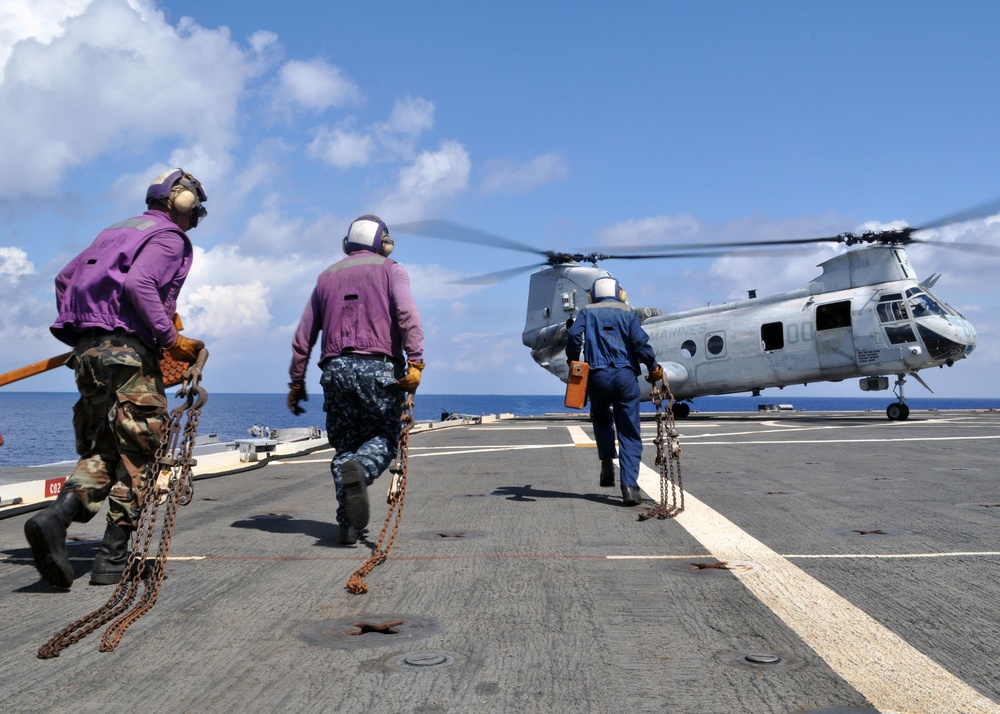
562	125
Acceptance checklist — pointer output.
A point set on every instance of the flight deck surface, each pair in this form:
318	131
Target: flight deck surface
831	562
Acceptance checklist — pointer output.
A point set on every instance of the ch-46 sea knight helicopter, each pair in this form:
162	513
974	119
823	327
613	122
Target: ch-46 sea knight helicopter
867	315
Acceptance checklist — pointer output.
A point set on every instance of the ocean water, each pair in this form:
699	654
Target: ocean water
37	426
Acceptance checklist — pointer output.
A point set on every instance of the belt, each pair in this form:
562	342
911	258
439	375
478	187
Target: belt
356	355
94	333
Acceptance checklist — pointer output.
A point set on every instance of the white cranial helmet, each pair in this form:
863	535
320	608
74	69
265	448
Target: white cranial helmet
368	233
603	288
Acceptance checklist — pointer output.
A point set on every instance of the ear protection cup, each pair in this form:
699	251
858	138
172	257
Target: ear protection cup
183	200
344	246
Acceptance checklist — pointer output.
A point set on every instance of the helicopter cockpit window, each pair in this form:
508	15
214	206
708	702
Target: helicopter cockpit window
772	336
922	305
891	309
899	334
833	315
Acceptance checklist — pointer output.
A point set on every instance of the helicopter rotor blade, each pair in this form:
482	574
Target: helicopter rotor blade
749	253
673	247
980	248
983	210
435	228
494	278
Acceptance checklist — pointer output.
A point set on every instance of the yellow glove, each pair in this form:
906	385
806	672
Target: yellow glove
296	394
185	349
655	374
411	380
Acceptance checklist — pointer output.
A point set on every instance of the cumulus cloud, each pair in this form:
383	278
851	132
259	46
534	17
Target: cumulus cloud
315	85
503	176
345	145
226	311
77	75
433	177
340	147
14	264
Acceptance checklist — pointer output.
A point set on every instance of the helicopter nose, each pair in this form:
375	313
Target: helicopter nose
948	341
970	338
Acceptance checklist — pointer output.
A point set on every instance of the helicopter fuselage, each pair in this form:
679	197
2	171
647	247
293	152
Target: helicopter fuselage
866	316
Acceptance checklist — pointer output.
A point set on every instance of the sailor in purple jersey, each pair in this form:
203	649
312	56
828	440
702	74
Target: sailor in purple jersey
117	304
372	353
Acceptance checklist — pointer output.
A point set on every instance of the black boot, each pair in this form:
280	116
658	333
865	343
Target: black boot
348	535
46	534
112	556
352	475
607	473
631	496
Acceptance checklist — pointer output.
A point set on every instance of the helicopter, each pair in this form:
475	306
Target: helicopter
866	316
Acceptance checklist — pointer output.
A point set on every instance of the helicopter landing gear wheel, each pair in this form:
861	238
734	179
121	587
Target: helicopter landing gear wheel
680	410
897	412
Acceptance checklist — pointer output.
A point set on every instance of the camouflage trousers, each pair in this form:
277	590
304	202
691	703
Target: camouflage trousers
363	409
118	422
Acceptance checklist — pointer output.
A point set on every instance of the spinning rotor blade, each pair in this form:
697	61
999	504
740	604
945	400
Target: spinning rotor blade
435	228
894	236
494	278
983	210
712	253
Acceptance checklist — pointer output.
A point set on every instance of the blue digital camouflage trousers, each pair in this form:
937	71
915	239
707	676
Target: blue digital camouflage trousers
363	407
118	423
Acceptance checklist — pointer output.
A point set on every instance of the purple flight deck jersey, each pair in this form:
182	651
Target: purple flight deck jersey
127	279
366	307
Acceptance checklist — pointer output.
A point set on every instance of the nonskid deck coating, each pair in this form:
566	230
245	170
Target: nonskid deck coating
860	567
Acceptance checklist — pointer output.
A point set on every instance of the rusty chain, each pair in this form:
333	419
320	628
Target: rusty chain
169	483
668	458
395	499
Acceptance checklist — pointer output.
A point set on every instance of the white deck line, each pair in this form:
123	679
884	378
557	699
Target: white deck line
891	674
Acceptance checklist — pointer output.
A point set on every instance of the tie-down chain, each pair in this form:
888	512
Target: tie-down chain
170	486
668	457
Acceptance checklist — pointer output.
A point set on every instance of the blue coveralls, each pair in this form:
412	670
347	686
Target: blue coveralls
613	343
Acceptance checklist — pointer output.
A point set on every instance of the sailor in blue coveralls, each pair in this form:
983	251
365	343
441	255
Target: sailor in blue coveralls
614	343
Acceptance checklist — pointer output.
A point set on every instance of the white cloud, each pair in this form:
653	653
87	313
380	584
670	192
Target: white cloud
226	312
14	264
412	116
434	177
315	85
341	148
651	230
109	74
40	20
502	176
344	146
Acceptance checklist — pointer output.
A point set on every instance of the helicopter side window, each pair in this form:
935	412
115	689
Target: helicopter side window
716	345
688	349
772	336
833	315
